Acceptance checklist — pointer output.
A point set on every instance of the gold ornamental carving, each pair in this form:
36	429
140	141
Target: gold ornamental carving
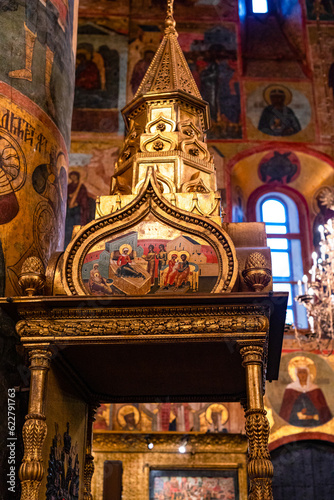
89	466
34	429
252	354
201	443
209	325
260	469
88	474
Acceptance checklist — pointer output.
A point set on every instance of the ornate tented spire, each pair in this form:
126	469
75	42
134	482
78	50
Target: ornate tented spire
166	123
169	70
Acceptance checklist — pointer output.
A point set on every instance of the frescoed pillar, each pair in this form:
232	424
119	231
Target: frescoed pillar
37	66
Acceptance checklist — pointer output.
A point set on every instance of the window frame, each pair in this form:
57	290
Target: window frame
291	280
251	8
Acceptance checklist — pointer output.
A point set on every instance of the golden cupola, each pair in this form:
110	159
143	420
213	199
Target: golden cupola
166	123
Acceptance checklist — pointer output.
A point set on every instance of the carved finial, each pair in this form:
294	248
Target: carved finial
256	274
32	277
169	21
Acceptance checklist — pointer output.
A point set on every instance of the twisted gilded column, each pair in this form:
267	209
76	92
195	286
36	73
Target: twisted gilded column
89	459
34	430
260	469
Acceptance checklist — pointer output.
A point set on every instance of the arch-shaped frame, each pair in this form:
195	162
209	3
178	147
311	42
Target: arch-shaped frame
149	201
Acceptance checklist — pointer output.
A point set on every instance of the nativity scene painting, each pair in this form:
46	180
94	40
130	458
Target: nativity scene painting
166	262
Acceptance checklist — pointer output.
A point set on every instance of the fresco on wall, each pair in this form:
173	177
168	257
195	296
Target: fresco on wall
33	149
323	205
276	47
104	8
279	110
212	58
152	258
144	41
302	396
100	75
322	56
187	9
43	39
89	177
63	467
13	172
170	417
279	166
80	206
326	10
238	205
213	61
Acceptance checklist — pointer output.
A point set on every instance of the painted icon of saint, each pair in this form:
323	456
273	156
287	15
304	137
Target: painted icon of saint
277	118
304	404
125	269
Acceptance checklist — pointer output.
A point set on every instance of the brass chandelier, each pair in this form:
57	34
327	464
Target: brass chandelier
317	294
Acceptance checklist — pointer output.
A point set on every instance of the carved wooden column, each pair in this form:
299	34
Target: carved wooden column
34	430
89	459
260	469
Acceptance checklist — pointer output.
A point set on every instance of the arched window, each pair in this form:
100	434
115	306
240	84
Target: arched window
280	215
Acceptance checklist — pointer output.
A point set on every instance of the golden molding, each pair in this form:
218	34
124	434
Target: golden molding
198	442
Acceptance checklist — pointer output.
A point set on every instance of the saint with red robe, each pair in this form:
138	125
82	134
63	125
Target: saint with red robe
304	404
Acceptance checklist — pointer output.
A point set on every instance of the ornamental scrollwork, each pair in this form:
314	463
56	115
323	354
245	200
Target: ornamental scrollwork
142	326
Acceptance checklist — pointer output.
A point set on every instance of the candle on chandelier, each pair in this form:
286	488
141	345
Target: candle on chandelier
300	290
305	280
322	232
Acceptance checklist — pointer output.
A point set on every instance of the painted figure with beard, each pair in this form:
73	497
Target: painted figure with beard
277	118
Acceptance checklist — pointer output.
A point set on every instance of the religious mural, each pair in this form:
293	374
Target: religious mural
279	166
279	110
211	53
169	417
43	37
101	63
144	40
84	185
275	48
37	153
104	8
63	467
188	9
322	56
194	484
13	172
325	12
213	61
302	396
238	205
152	258
80	206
